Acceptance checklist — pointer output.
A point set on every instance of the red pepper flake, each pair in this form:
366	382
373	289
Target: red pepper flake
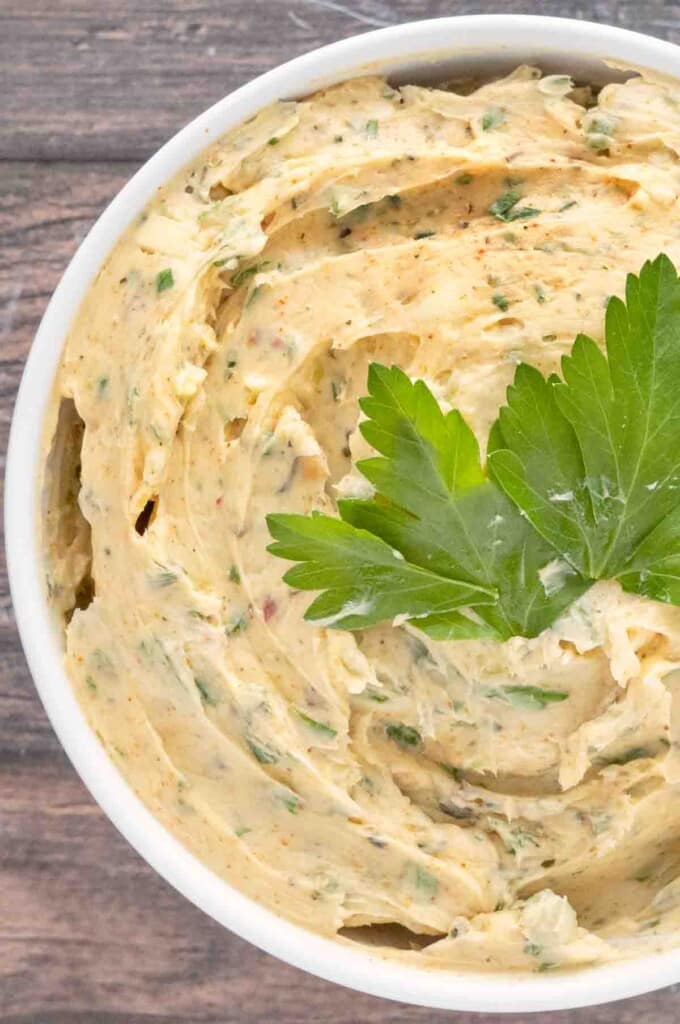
269	608
277	342
218	501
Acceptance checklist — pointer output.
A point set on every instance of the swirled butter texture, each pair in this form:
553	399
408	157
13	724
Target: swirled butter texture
377	785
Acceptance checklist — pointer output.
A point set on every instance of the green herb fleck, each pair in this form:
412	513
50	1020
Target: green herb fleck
245	273
531	697
540	294
404	735
264	754
164	280
598	142
501	302
101	660
426	233
290	801
456	811
598	132
268	442
371	129
206	696
419	650
494	117
238	624
600	126
234	574
425	881
634	754
253	295
643	876
164	578
505	208
464	179
555	85
321	727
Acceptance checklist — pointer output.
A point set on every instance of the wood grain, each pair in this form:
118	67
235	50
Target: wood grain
78	71
88	933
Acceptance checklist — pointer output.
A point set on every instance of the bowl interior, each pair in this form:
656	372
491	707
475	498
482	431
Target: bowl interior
481	67
425	52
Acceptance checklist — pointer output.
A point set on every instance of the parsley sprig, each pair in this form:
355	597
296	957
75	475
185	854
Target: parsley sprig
584	472
436	541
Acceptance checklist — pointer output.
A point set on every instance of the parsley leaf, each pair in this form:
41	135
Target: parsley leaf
593	460
436	540
363	579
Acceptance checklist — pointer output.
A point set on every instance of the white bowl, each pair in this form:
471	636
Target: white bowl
427	50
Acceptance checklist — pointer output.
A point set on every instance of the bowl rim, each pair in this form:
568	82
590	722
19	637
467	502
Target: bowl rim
413	44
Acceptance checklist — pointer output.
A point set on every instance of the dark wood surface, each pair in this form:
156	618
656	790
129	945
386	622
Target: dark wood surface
88	933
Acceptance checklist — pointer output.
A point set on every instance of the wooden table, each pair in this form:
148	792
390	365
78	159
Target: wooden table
88	932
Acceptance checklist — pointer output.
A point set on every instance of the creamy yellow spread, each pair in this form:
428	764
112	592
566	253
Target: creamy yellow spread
212	377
